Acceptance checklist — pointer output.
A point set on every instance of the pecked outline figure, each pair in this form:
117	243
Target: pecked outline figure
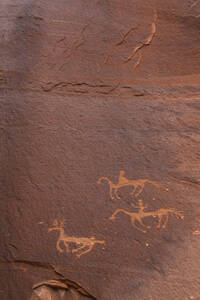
141	214
123	181
84	244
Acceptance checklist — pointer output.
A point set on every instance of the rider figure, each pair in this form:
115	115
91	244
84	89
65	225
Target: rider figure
122	178
141	207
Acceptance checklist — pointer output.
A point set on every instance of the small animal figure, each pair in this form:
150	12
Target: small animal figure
84	244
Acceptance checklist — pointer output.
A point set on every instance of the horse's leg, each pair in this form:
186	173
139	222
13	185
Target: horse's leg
134	225
111	193
166	220
78	248
116	193
159	221
66	246
134	189
87	250
141	187
58	246
141	223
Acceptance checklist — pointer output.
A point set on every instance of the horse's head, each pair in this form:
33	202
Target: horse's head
102	179
179	214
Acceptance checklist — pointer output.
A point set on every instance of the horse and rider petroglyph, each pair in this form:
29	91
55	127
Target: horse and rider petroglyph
84	244
138	185
162	214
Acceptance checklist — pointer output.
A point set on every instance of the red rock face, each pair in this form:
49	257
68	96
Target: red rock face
100	181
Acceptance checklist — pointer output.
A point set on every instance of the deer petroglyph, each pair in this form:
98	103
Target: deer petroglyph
138	185
84	244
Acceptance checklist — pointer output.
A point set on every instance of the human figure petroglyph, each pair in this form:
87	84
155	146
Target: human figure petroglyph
84	244
138	185
141	214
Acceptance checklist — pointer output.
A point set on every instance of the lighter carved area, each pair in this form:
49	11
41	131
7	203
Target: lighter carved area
137	217
83	244
138	185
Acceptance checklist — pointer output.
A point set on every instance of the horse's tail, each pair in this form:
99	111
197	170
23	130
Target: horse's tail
99	242
155	183
103	178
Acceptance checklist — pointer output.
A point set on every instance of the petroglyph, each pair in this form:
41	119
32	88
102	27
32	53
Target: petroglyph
138	185
137	217
84	244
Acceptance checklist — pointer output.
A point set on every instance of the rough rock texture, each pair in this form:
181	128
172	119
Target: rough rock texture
89	88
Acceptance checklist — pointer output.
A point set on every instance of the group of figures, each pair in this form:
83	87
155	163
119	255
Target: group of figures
86	244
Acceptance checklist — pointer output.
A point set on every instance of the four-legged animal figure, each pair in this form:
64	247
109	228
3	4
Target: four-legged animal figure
84	244
141	214
138	185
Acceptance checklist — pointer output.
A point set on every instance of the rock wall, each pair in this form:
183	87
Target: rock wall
100	149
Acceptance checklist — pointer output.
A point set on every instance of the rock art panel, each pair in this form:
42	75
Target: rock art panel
89	88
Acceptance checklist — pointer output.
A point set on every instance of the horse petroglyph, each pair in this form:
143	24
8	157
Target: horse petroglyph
138	185
137	217
84	244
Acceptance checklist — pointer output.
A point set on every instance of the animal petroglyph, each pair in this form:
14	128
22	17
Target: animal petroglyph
138	185
84	244
137	217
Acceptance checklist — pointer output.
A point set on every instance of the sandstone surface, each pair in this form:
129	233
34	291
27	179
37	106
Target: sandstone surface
88	89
